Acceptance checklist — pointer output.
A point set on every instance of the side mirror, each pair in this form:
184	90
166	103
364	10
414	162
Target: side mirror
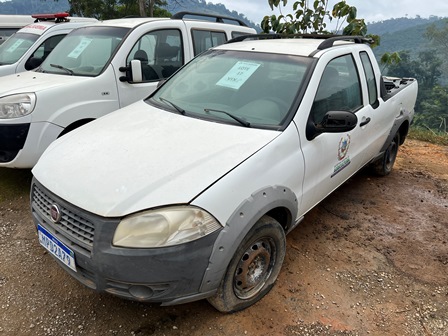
333	122
339	121
33	63
134	72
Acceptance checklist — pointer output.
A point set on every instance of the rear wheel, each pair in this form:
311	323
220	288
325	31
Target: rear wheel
384	165
254	267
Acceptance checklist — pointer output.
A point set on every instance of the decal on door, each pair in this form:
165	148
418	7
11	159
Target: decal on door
344	159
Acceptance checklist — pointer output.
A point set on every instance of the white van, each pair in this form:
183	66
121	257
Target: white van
27	48
9	24
93	71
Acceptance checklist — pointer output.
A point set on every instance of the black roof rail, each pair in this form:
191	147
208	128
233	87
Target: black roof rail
255	37
328	43
218	18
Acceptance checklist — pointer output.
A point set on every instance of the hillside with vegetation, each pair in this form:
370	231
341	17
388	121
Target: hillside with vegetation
172	6
403	34
422	45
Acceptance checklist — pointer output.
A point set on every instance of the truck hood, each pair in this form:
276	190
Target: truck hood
142	157
30	81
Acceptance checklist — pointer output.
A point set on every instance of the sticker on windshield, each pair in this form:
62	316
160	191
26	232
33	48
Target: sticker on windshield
16	44
82	45
238	75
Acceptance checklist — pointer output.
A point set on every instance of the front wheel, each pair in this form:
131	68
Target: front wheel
384	165
254	267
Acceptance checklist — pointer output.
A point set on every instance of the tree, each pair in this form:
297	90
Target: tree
432	100
438	35
389	59
311	19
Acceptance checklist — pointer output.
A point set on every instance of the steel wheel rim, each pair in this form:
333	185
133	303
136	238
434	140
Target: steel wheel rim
254	268
391	155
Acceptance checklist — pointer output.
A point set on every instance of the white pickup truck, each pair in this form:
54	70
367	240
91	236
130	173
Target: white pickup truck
95	70
189	193
27	48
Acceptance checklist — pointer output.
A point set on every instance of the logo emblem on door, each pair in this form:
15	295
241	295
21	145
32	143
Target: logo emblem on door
344	145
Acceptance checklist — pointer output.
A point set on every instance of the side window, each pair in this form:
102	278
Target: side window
45	48
41	53
371	81
339	89
160	53
204	39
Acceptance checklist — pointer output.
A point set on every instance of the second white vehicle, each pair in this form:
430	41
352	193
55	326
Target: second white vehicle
93	71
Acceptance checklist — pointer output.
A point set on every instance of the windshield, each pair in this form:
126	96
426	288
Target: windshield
84	52
14	47
239	87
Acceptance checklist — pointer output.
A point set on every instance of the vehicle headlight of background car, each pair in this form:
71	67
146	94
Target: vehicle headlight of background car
164	227
16	106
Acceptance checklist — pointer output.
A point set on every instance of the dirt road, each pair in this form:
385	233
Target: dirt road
371	259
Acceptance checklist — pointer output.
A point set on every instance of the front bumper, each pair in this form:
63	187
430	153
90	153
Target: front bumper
168	275
12	140
21	144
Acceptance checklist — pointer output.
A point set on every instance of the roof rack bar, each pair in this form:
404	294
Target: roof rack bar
219	18
255	37
329	42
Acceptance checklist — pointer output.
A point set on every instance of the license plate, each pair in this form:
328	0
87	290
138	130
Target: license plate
56	248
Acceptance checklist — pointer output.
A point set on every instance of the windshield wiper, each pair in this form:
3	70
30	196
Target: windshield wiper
62	68
234	117
179	109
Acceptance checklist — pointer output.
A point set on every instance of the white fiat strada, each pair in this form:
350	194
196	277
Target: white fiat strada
189	193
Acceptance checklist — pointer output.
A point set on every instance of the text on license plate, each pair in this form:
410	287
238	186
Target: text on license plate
56	248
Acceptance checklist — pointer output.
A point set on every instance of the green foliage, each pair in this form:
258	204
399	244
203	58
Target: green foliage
428	135
438	35
310	16
410	38
432	101
389	59
307	19
394	25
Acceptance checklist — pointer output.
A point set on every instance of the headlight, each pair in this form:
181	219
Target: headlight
17	105
164	227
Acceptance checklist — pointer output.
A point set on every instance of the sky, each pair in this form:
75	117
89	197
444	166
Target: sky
371	11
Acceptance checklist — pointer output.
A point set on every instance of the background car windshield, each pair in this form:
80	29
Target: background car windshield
14	48
85	51
257	88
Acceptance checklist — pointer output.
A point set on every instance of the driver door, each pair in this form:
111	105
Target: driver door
331	158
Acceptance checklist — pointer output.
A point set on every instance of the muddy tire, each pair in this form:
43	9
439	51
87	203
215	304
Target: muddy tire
384	165
254	267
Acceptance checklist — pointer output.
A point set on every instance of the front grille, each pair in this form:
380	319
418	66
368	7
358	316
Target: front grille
77	230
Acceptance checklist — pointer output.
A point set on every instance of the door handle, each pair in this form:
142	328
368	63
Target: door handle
365	122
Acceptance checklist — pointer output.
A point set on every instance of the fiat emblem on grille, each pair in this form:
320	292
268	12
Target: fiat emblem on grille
55	213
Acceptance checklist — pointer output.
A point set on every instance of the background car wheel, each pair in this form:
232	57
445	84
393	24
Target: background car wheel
384	165
253	268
